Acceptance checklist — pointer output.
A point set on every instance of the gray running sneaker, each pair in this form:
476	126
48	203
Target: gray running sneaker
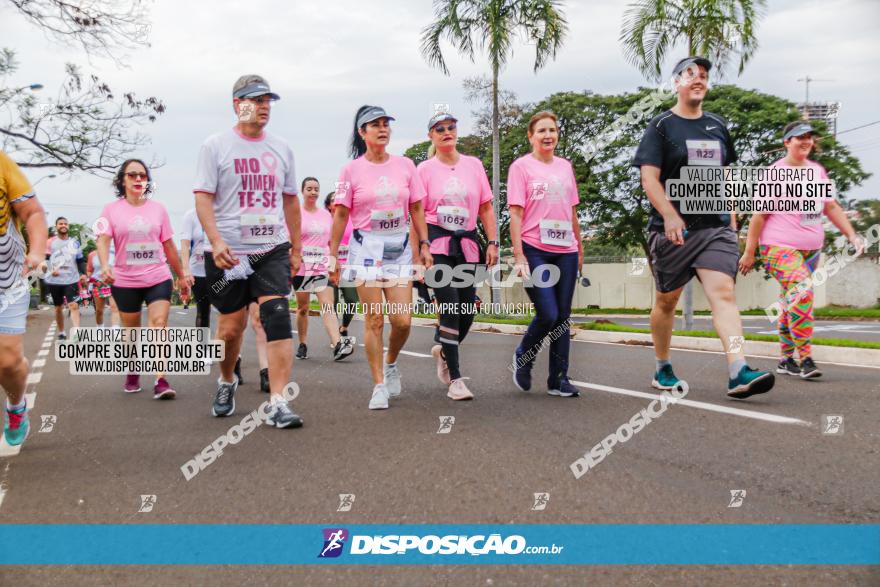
281	416
224	400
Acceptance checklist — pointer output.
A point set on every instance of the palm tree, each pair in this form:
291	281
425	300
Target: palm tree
493	25
716	29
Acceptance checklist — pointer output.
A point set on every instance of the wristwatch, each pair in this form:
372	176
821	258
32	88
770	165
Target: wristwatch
496	243
424	242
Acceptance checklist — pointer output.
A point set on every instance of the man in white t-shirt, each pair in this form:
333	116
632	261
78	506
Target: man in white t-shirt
246	201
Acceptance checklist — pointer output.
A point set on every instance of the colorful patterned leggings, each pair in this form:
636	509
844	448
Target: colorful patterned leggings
790	267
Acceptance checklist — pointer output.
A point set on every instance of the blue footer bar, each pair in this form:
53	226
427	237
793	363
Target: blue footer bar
631	544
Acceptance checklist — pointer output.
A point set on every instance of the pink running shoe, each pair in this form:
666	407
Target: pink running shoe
162	390
132	383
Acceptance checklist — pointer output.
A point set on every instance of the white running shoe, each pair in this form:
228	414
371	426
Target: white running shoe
442	367
392	380
459	391
379	401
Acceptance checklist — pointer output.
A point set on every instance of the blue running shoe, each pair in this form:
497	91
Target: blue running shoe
750	382
665	379
16	427
564	389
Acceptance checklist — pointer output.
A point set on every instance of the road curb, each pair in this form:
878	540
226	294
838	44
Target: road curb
828	354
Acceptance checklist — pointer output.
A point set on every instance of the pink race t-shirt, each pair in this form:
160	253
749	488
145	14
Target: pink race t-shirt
546	192
342	253
803	232
316	227
138	233
453	196
379	194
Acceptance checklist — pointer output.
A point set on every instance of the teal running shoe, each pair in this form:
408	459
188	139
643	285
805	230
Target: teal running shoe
16	426
750	382
665	379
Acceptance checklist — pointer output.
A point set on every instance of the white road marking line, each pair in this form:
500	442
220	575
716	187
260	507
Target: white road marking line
31	399
43	353
641	323
33	378
3	479
410	353
38	363
46	345
697	404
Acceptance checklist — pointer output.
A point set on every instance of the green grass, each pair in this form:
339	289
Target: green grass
838	342
845	312
826	312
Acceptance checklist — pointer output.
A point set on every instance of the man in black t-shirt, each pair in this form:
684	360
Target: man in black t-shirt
701	245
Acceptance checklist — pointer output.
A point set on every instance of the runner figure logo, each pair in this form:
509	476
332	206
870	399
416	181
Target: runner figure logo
47	423
342	188
735	344
446	423
538	190
737	497
638	265
334	541
346	500
541	500
832	424
246	111
147	503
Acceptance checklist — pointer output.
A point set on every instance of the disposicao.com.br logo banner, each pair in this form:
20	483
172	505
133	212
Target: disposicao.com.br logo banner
442	544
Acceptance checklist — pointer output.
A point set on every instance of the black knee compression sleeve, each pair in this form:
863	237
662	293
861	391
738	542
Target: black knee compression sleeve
275	317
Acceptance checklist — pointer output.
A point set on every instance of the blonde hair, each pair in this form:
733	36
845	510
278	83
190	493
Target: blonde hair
538	116
432	150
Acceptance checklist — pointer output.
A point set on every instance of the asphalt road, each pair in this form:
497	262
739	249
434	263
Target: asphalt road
106	449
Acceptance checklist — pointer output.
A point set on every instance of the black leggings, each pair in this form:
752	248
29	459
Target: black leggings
350	299
202	302
454	325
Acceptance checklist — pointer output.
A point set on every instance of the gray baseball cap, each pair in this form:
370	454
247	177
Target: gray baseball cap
687	61
372	113
251	86
440	117
798	131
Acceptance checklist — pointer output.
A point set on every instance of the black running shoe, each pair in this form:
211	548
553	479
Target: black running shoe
264	380
809	370
788	366
224	400
237	371
303	351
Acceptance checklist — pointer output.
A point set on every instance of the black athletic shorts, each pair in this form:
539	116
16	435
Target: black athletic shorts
131	299
271	277
64	294
310	283
713	248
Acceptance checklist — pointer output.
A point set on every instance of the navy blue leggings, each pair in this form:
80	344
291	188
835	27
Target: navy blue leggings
552	310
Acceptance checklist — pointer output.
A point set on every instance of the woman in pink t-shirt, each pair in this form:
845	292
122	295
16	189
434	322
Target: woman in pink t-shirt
379	191
542	195
316	224
142	237
790	245
456	193
348	294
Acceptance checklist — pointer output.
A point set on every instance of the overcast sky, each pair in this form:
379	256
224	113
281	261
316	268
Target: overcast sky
327	58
